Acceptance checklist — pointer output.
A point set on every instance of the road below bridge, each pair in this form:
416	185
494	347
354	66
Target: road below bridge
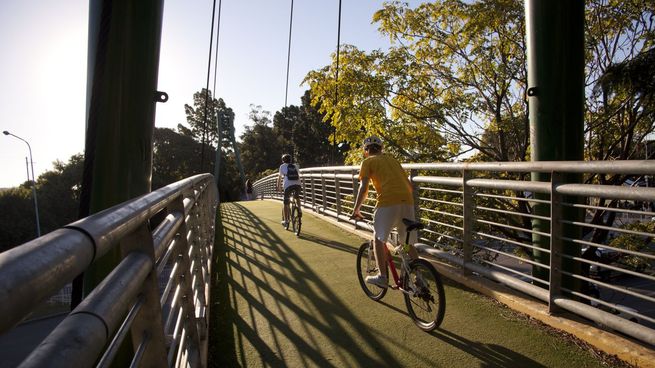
286	301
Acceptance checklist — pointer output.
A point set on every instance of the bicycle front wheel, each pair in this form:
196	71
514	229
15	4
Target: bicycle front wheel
366	266
425	300
296	221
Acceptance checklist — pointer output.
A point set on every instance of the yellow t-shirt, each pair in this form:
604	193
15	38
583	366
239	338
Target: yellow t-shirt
389	180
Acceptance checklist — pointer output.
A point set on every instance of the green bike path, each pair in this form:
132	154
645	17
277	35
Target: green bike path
284	301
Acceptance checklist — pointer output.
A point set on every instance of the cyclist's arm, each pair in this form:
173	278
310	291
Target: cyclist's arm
361	195
277	185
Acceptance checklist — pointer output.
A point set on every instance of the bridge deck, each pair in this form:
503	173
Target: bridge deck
287	301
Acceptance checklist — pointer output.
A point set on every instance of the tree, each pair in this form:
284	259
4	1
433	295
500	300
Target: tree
303	133
59	193
202	122
59	196
620	109
284	122
175	157
454	70
260	145
17	217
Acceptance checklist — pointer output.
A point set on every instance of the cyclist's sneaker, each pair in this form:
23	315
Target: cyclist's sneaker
377	280
284	223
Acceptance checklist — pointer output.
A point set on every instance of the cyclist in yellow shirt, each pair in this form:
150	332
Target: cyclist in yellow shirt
394	202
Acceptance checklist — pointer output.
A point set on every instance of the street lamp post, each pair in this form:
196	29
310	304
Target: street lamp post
36	206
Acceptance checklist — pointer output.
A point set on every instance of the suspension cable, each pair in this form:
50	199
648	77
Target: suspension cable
218	33
336	84
286	91
209	63
219	133
336	78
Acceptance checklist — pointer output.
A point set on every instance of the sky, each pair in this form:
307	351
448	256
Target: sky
43	66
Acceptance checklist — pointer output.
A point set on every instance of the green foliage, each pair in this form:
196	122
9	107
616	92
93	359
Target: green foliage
298	130
17	223
620	109
260	145
175	157
179	157
58	192
455	69
636	243
201	118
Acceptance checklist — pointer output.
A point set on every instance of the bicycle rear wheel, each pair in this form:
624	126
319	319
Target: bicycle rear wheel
366	266
296	221
426	300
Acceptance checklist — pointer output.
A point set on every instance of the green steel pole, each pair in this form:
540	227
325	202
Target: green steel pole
123	63
555	48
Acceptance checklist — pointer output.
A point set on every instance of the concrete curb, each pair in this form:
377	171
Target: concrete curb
624	349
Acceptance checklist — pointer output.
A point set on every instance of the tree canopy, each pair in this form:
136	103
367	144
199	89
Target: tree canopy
298	130
454	81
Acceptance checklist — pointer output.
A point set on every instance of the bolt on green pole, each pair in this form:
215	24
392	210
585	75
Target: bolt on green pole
555	52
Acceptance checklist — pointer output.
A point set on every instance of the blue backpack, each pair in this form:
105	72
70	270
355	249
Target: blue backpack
292	172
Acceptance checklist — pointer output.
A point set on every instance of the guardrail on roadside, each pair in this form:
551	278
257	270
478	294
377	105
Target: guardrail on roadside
492	219
157	296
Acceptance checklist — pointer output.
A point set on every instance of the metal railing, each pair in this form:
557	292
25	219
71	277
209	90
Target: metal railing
484	217
156	298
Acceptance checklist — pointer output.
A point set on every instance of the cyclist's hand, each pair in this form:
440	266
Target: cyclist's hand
357	216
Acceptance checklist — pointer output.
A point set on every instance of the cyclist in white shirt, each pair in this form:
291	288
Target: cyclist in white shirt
289	175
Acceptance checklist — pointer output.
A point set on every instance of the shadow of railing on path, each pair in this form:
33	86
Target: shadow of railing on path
256	252
349	248
491	355
281	290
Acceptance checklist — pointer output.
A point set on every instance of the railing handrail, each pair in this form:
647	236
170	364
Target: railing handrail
331	190
637	167
34	271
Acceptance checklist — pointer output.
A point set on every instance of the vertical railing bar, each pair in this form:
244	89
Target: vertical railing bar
313	191
555	279
337	193
174	335
469	220
181	347
323	192
138	355
109	355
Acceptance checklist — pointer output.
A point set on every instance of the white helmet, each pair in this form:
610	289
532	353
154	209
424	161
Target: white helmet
371	141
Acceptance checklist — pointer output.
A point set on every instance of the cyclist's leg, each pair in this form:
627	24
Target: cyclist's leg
383	219
297	198
287	193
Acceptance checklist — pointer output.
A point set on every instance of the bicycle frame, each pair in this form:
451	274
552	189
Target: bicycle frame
294	199
417	279
404	264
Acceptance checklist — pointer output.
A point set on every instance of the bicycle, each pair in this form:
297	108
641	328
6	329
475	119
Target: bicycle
419	281
295	213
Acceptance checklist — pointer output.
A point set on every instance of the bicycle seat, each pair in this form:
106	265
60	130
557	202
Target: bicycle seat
412	225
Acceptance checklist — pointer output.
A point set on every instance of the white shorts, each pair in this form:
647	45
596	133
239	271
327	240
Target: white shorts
386	218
